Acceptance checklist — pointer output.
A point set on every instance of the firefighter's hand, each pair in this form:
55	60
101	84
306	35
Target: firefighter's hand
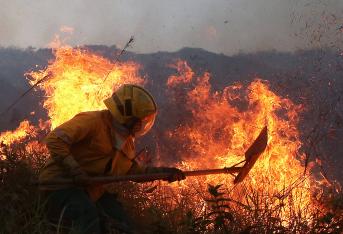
175	174
80	177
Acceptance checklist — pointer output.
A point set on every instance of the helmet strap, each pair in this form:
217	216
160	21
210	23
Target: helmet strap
128	107
118	103
131	123
128	95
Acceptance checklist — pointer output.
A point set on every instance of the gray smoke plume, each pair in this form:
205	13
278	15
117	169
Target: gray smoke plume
225	26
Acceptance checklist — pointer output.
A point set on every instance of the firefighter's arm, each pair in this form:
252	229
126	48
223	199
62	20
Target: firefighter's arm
61	138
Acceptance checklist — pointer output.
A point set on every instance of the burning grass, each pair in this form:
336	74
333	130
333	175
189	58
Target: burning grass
158	208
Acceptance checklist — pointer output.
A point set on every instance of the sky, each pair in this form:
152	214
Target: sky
221	26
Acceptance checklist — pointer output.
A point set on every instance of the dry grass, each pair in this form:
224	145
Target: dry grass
158	209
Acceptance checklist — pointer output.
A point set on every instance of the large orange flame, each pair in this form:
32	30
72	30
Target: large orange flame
78	81
74	81
225	123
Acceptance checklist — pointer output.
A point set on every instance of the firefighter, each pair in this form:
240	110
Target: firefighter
98	143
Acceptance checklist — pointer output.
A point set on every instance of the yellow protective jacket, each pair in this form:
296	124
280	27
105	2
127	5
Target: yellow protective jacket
98	147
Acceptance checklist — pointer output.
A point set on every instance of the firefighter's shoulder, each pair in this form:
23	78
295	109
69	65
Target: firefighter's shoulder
90	117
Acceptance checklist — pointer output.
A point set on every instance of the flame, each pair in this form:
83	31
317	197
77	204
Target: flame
183	68
74	81
9	138
19	134
223	126
78	81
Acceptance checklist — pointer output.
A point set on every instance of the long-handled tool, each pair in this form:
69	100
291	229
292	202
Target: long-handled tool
251	156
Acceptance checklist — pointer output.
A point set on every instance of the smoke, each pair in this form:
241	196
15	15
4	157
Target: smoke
225	26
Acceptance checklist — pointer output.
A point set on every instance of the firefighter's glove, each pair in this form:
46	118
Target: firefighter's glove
175	174
80	177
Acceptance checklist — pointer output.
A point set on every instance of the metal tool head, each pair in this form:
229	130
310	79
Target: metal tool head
252	154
